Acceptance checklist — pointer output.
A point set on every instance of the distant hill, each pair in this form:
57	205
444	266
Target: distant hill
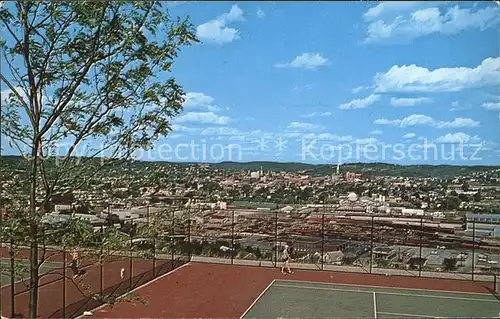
368	169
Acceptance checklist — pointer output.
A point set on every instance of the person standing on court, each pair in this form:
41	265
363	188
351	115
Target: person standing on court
285	257
74	264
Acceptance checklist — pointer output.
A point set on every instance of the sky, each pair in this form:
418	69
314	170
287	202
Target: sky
338	82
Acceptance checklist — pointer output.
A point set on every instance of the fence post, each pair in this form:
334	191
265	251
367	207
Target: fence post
322	241
173	235
101	261
473	247
2	211
130	262
276	238
12	280
371	247
232	238
496	285
154	247
190	252
64	284
420	244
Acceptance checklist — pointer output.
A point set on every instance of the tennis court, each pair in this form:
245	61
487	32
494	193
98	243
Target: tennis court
298	299
22	268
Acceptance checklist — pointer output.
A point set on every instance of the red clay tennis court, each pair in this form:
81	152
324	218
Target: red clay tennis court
68	298
198	290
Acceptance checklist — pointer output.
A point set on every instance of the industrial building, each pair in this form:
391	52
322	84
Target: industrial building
484	225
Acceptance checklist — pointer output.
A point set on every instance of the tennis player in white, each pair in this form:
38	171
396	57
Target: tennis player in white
285	257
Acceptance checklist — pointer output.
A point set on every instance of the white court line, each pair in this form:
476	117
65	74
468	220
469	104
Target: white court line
375	304
407	315
387	293
257	299
135	289
385	287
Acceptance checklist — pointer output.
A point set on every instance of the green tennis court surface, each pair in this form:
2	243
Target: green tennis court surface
22	268
293	299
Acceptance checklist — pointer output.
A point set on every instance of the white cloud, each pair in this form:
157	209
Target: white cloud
175	136
302	126
492	105
364	141
221	131
388	10
425	19
461	108
416	120
360	103
325	137
376	132
293	134
193	99
424	120
403	102
171	4
185	129
216	30
409	135
6	95
237	138
459	122
308	61
358	89
203	117
322	114
261	14
414	78
199	100
457	138
307	87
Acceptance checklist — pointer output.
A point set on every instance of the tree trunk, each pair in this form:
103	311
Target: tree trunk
33	302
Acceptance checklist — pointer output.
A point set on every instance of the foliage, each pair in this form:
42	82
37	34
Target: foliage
450	264
85	78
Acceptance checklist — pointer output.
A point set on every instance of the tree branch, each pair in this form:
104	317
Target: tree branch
26	107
